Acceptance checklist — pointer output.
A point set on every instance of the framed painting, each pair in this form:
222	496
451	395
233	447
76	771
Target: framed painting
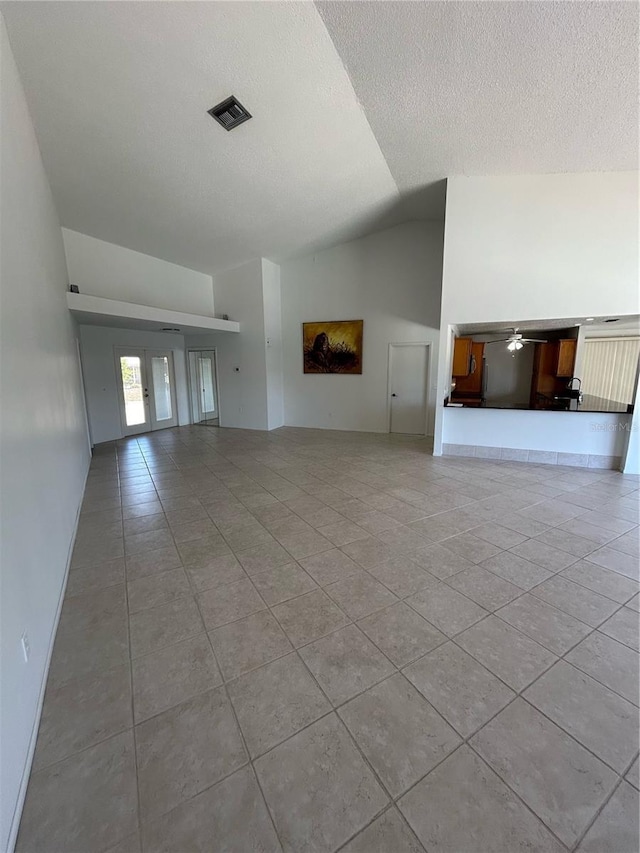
334	346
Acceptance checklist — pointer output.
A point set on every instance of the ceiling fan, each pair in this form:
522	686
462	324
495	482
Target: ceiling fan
516	341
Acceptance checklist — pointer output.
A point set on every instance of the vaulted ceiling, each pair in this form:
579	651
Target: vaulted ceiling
360	110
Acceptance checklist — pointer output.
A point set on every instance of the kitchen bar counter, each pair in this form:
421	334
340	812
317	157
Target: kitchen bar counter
590	404
537	435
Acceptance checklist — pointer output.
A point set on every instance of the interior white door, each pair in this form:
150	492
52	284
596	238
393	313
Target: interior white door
409	376
147	389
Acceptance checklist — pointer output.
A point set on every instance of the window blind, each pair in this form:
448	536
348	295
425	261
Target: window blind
609	367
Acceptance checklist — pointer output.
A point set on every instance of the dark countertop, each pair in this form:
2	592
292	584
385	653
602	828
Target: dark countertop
589	404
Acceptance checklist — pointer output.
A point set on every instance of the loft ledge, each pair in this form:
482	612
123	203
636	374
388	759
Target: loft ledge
101	308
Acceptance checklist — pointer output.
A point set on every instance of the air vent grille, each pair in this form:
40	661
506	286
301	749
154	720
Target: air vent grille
230	113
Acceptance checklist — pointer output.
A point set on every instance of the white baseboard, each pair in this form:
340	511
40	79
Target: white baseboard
353	429
538	457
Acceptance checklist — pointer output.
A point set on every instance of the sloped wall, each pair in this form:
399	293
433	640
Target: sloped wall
391	280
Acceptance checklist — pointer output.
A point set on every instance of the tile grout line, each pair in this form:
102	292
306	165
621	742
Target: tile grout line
133	719
353	622
244	743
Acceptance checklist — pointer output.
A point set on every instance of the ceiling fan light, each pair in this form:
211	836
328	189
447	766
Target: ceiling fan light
514	346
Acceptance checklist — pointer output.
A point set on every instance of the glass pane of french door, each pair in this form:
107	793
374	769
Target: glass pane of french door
161	377
133	389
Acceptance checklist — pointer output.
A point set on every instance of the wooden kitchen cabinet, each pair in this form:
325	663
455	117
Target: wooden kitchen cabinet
462	350
470	386
553	365
543	379
566	357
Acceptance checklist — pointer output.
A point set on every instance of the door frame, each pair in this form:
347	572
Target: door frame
83	392
149	402
428	345
214	350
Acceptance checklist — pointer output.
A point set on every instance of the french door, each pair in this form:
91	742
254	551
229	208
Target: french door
147	389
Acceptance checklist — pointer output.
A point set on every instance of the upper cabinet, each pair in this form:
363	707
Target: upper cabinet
462	352
566	357
553	364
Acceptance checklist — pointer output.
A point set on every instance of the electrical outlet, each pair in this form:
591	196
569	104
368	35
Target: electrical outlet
26	648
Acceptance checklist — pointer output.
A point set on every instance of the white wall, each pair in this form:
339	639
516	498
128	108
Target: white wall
113	272
508	376
242	391
44	451
391	280
101	381
631	459
273	341
541	246
527	247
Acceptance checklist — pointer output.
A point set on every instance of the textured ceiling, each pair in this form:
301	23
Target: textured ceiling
119	93
485	88
361	109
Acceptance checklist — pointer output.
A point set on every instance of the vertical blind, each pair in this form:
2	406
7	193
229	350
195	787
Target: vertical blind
609	368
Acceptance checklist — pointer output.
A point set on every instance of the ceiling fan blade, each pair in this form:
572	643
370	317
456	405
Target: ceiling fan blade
499	341
534	341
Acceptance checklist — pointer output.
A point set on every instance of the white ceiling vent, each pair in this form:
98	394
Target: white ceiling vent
230	113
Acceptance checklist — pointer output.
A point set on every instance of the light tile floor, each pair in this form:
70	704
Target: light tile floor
316	641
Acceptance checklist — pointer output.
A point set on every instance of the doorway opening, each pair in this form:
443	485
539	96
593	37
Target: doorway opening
147	389
408	388
203	387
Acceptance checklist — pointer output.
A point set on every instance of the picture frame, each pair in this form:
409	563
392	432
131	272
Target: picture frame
332	346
